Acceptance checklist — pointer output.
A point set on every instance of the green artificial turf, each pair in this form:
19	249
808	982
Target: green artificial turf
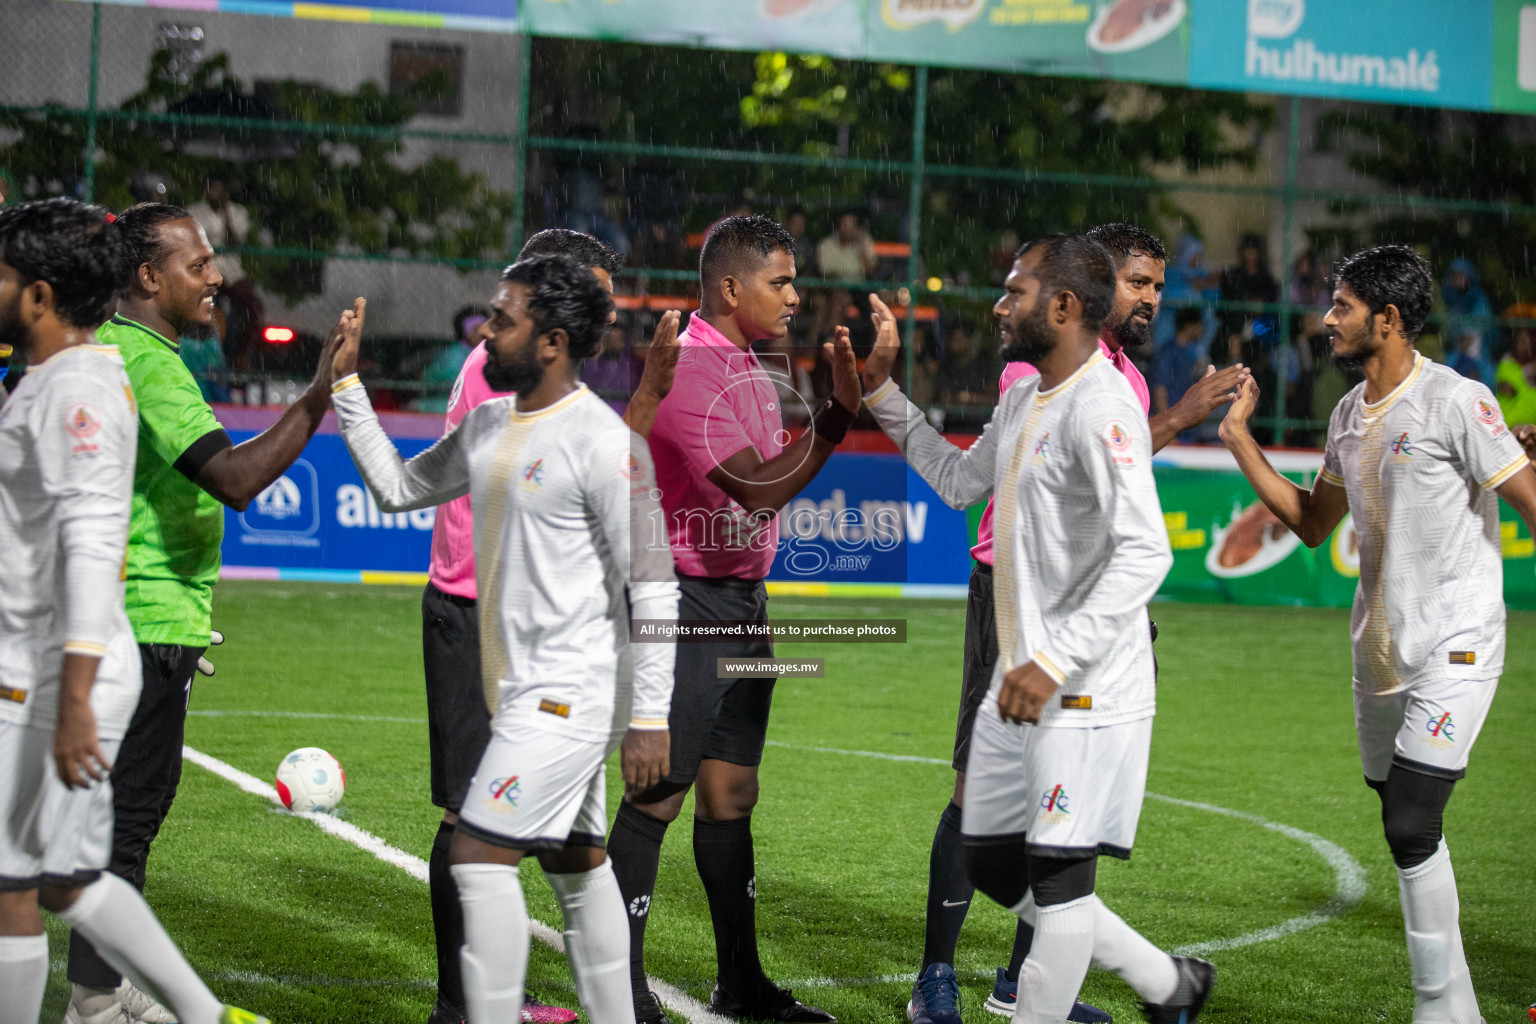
1254	716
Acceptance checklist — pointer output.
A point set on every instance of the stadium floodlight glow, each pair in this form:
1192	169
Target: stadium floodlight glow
278	335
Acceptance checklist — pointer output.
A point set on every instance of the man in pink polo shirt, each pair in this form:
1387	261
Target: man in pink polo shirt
458	722
725	468
1140	260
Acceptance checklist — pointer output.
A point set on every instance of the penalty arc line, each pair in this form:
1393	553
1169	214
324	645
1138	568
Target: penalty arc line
414	866
1348	874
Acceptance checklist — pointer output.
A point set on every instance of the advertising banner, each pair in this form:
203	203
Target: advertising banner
831	27
1514	56
866	520
1147	40
468	15
1419	52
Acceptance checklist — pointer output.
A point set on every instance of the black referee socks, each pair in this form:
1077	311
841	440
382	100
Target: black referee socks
447	921
634	847
949	890
723	852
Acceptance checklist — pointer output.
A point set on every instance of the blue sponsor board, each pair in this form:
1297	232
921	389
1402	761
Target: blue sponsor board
866	518
1420	52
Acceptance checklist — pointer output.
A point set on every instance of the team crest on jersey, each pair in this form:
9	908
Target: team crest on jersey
504	793
533	476
1117	438
1442	731
632	468
83	421
1488	415
1054	805
1402	448
1042	449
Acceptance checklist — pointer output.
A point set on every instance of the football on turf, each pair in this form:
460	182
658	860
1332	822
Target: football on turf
310	779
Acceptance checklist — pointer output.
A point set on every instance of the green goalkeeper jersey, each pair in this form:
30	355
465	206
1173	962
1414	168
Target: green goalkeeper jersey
177	527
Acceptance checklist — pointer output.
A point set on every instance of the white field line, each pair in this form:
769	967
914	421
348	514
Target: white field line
305	714
1348	874
414	866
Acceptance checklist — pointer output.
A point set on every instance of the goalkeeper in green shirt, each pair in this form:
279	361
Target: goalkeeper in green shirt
187	471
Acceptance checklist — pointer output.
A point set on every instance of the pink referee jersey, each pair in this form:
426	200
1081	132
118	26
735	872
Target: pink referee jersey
453	531
721	402
982	552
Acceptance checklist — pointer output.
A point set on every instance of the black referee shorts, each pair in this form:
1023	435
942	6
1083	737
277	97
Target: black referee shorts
458	722
980	658
721	719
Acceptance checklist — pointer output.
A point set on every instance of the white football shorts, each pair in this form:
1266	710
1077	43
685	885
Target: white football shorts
48	831
538	790
1068	790
1427	727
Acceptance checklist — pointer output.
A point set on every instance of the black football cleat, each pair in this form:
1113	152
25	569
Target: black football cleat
648	1009
769	1003
1197	980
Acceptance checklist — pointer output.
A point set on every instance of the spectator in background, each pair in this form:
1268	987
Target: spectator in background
1469	325
805	249
660	245
922	389
1186	282
612	371
444	368
205	358
1250	336
848	254
1178	363
228	226
1516	374
964	378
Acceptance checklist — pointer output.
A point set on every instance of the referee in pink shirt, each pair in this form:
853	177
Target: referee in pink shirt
1140	261
725	470
458	721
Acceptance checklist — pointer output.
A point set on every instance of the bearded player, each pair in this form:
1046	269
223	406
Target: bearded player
1140	261
562	492
1420	456
1060	289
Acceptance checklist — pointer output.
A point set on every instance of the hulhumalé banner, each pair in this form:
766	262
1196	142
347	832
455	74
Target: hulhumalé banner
835	28
1421	52
867	522
1514	56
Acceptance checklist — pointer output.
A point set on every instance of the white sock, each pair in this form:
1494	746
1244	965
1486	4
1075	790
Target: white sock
597	942
1058	960
23	976
495	954
1122	949
114	917
1442	983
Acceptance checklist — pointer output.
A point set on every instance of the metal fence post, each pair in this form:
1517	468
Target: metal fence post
520	187
1287	257
915	214
89	190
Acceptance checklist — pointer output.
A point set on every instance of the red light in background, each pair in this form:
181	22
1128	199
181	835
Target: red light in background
278	335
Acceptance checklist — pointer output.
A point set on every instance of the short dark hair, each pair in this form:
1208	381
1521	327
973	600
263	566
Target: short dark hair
1390	275
735	239
73	246
562	293
1126	240
1076	264
141	226
1185	316
579	246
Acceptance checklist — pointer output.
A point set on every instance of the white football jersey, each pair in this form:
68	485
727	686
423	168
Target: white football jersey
566	543
1080	546
1420	468
68	441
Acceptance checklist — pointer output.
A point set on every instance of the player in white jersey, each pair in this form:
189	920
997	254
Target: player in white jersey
1058	761
565	506
69	667
1420	456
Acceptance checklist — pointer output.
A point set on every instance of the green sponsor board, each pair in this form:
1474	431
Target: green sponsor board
1227	547
1093	38
1514	56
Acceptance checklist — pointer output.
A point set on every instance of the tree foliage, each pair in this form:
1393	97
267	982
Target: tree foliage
320	192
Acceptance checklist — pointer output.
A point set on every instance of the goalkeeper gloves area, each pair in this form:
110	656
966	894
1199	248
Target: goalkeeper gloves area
203	664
